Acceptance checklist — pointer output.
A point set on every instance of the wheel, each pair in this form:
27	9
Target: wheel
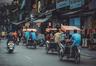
61	54
47	48
35	46
10	51
77	58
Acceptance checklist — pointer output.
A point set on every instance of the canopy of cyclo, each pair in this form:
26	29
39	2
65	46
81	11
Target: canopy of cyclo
30	29
70	28
64	28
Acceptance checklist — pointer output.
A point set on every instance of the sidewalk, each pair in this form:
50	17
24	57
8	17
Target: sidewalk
88	53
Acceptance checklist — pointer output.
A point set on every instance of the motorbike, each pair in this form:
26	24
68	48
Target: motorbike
10	47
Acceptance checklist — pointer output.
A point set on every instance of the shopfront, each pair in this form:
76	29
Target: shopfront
75	21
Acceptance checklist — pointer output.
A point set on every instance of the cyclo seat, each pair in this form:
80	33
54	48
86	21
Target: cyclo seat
52	44
68	46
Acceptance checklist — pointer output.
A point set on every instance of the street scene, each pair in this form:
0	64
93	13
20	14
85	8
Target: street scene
38	57
47	32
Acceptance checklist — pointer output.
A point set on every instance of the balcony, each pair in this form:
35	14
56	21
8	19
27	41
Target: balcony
51	6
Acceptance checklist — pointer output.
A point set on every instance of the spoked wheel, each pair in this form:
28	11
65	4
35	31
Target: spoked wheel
35	47
10	51
34	44
47	48
77	58
61	55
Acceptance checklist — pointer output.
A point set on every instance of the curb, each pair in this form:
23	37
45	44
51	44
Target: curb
87	55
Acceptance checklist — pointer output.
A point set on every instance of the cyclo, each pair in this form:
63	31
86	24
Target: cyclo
68	50
30	42
50	43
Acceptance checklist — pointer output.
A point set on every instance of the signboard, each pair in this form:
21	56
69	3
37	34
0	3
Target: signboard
75	22
72	3
61	4
76	3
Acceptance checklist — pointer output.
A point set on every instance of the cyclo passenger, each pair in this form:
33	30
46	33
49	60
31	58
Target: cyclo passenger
27	35
40	38
63	37
33	37
50	39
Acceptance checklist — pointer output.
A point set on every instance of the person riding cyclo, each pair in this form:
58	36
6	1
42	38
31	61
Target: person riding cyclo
72	43
76	41
27	36
57	37
33	37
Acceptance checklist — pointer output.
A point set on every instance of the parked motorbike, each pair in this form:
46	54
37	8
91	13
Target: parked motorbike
10	47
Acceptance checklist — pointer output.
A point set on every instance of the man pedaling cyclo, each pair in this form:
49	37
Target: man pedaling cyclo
75	40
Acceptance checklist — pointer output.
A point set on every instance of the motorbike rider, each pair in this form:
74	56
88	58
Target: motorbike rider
15	34
10	37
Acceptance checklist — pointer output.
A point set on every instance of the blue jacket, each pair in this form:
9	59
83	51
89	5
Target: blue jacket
27	35
76	38
33	36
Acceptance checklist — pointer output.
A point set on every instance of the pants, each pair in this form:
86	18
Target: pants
84	42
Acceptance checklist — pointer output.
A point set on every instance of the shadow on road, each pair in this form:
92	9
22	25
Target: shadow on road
54	53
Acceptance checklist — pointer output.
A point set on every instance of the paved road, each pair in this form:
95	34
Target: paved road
36	57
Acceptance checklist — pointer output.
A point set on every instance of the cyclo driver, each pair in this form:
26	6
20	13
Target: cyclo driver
76	40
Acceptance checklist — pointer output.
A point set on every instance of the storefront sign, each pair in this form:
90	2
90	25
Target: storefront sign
75	22
62	4
76	3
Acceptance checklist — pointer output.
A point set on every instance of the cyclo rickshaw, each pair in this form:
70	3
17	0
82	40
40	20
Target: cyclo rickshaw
50	43
66	49
30	43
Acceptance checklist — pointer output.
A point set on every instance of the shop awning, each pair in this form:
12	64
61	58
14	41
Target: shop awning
20	22
43	19
70	13
17	23
89	12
